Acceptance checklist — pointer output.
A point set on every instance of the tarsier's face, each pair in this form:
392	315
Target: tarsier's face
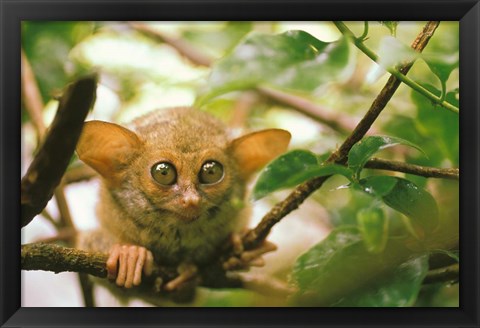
187	185
185	166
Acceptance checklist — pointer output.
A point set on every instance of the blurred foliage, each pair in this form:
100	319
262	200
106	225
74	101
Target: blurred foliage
292	60
384	226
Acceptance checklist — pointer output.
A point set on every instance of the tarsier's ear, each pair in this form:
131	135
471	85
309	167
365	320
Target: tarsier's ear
107	147
254	150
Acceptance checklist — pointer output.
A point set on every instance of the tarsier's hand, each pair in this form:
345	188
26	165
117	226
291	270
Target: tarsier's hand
126	263
244	259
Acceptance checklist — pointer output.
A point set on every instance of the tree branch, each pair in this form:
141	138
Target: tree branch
51	257
446	274
425	171
33	103
55	258
257	235
48	166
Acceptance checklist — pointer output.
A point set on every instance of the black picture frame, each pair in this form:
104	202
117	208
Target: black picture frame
467	12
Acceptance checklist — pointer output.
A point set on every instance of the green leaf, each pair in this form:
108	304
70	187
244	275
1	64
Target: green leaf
226	298
340	267
292	169
391	25
399	288
367	147
438	124
405	197
295	60
310	266
374	228
442	67
392	52
218	40
377	185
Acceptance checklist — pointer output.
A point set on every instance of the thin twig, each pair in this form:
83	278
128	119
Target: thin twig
337	122
87	287
241	110
384	96
49	218
395	72
78	173
257	235
184	48
31	97
446	274
424	171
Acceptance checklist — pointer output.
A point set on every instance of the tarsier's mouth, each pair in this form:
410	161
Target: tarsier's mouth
185	218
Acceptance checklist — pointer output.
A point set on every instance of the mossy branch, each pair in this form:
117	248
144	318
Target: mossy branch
55	258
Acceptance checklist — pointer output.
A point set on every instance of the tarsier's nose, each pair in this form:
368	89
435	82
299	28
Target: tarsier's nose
190	199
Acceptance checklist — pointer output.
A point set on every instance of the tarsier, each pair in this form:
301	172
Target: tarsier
173	191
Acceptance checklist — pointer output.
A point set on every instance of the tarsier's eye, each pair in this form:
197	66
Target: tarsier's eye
211	172
164	173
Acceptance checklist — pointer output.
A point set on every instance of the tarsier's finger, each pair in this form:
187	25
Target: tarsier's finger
233	263
148	267
132	258
258	262
187	273
266	247
137	277
112	262
122	270
237	243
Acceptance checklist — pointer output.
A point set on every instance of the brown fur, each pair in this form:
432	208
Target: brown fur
135	209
